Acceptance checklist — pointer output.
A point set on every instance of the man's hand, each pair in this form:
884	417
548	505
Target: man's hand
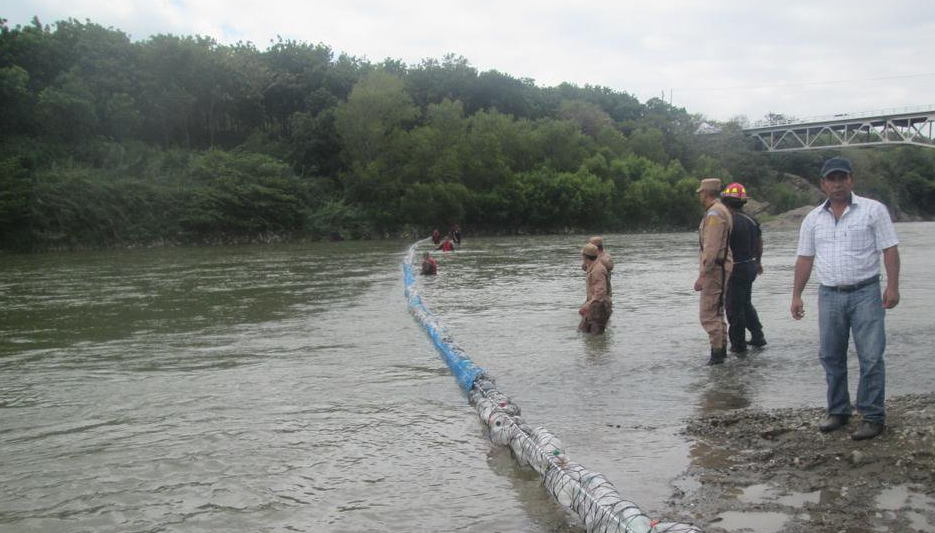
803	269
798	308
698	284
891	262
890	298
759	269
583	311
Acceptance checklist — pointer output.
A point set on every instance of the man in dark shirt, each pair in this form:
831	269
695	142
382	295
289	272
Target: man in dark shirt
746	244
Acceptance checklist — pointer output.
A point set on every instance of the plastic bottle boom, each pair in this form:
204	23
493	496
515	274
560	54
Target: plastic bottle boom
589	495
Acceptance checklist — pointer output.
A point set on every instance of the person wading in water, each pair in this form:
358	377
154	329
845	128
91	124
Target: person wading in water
714	266
598	307
429	265
746	246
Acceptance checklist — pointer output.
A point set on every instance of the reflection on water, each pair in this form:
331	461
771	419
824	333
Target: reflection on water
726	388
286	387
903	496
535	500
762	493
758	521
706	456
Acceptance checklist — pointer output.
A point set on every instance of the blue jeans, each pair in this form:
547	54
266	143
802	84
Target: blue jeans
860	311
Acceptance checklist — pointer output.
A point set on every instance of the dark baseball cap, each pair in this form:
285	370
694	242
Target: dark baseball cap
836	164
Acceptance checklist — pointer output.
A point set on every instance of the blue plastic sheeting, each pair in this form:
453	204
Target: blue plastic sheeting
464	370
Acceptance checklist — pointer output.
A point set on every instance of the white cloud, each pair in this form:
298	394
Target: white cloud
720	58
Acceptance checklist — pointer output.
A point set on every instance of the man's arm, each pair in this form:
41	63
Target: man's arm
712	237
598	291
759	251
803	270
891	263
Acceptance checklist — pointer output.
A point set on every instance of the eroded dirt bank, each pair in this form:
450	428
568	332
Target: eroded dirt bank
774	472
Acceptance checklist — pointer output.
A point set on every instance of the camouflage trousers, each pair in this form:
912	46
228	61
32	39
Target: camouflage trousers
595	321
711	308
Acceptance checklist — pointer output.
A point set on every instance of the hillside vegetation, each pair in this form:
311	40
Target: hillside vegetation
106	141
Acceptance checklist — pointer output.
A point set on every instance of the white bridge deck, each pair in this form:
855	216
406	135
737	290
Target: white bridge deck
903	126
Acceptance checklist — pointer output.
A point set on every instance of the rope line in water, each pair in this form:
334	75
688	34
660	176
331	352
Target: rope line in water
589	495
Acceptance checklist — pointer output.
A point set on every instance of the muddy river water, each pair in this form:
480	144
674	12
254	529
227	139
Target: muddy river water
287	388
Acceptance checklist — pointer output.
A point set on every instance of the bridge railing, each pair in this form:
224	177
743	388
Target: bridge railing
842	116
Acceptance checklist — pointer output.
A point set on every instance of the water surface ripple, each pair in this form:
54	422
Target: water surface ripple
286	387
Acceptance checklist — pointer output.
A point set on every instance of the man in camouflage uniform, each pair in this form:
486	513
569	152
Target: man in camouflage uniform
597	309
715	263
605	259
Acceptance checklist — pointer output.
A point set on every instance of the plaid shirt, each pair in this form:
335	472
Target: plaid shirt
847	251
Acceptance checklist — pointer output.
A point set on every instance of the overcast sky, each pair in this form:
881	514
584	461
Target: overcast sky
719	58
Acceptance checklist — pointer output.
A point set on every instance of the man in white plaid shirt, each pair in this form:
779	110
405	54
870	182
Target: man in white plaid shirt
844	237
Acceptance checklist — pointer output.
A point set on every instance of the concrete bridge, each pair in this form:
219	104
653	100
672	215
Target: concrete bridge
902	126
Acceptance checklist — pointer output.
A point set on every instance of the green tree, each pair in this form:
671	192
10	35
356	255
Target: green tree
67	109
15	99
16	205
376	108
122	118
370	126
242	193
433	81
294	71
561	144
648	143
434	204
591	119
433	151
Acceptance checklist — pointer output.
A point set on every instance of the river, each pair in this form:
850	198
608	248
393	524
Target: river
287	388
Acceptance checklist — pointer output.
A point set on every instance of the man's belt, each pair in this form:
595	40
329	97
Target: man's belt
854	287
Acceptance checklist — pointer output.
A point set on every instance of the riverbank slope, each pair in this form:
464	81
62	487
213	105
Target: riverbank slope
774	472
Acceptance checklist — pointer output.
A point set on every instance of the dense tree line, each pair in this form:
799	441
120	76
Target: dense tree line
109	141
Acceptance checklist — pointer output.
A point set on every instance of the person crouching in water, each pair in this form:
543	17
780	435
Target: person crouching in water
597	309
429	265
746	246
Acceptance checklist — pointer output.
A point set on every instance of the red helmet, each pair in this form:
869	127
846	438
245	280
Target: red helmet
735	190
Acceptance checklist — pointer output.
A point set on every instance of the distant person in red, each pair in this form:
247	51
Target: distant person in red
436	237
446	245
429	265
456	233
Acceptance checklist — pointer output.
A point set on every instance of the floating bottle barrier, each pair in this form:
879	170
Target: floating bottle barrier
589	495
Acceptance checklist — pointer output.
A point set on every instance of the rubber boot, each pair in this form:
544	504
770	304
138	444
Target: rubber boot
718	355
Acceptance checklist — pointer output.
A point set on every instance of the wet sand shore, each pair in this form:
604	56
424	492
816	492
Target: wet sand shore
775	472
